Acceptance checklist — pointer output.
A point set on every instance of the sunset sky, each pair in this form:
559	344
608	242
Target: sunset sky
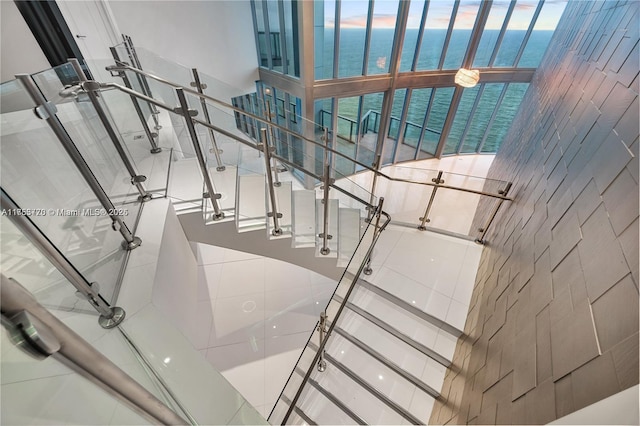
354	14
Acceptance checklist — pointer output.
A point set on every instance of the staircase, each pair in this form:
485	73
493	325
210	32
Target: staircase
380	363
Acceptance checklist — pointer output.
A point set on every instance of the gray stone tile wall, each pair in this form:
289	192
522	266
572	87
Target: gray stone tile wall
553	321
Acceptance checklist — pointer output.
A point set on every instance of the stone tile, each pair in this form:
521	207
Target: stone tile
633	166
492	373
519	411
609	160
629	242
627	126
621	201
564	396
569	274
573	342
600	255
487	416
625	360
616	314
541	287
524	370
565	236
560	202
594	381
544	402
543	346
561	305
503	413
587	201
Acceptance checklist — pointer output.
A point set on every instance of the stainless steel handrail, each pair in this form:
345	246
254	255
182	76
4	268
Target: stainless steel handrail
42	334
378	228
284	129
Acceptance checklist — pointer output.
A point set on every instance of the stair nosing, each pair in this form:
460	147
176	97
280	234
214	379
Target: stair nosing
388	363
332	398
454	331
298	411
397	333
373	391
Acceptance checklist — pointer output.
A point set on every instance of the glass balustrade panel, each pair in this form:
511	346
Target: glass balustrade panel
40	176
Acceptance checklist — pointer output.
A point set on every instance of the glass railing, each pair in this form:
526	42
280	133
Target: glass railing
305	155
26	380
42	179
447	207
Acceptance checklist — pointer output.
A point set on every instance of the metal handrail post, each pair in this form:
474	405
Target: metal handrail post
143	81
136	105
377	211
47	111
483	230
425	218
273	214
327	181
35	330
200	87
109	316
322	330
272	135
184	110
374	182
91	88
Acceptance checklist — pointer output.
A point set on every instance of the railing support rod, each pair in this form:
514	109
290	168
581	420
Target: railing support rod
109	316
425	218
483	230
374	182
322	330
136	105
184	110
327	181
272	134
200	87
92	88
143	81
47	111
273	214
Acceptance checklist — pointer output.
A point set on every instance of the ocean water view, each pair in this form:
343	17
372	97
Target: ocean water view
351	54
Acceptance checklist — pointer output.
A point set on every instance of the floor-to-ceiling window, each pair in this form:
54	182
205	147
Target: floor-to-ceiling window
415	47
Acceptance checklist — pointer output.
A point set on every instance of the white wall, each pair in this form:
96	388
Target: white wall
20	52
214	36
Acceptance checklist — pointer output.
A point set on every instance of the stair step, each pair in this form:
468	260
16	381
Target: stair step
394	321
389	364
406	357
325	407
224	183
366	404
304	219
332	228
349	231
283	203
250	203
409	307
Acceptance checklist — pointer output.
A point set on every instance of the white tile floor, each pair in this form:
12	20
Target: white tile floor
258	312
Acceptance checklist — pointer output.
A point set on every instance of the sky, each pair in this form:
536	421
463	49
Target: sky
354	14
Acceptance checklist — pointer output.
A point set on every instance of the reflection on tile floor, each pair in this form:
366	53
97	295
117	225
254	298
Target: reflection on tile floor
257	313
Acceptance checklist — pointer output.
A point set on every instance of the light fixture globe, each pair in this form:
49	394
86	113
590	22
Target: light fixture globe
467	78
